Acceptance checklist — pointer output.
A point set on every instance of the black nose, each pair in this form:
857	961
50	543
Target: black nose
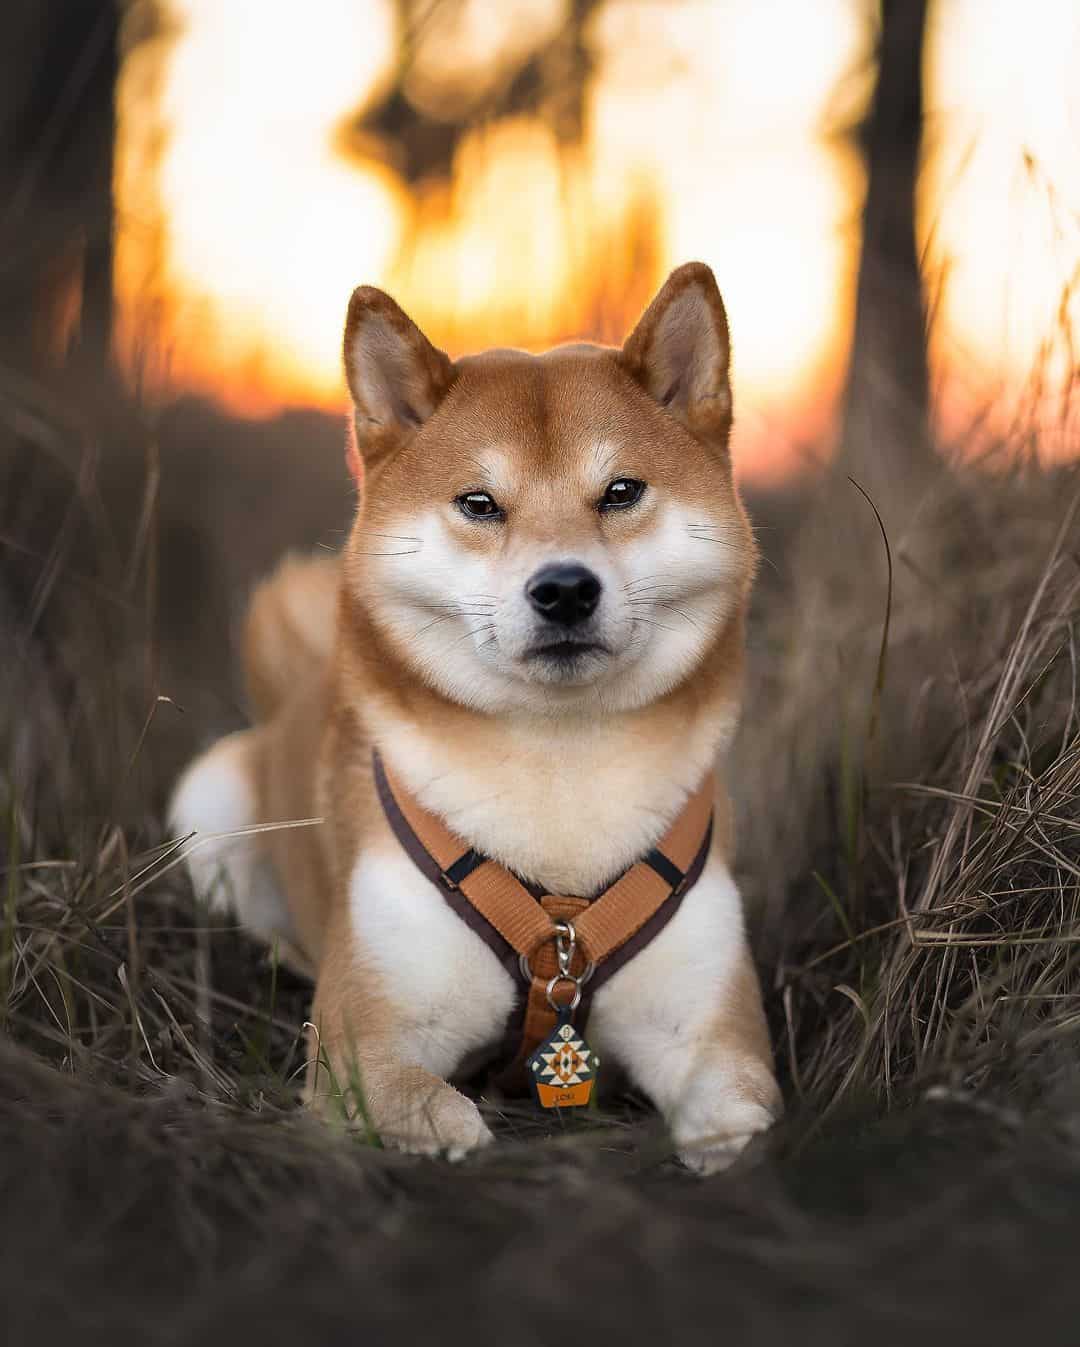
566	593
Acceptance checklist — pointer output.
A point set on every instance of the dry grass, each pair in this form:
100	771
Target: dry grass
921	915
910	844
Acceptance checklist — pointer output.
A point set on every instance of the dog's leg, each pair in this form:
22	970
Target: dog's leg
380	1060
724	1090
685	1020
392	1102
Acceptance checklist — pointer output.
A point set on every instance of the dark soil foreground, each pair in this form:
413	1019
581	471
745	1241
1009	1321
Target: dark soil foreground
128	1221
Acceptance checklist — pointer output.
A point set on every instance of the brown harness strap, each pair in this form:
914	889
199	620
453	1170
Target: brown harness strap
519	924
497	895
624	908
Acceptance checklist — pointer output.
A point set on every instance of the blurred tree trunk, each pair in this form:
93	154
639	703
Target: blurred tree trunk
58	72
548	82
886	433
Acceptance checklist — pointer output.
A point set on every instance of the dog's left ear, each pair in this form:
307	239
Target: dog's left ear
680	353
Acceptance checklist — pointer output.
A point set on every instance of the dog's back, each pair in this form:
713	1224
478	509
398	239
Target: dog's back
238	785
289	629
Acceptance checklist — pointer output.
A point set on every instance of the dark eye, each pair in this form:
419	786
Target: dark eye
478	505
623	491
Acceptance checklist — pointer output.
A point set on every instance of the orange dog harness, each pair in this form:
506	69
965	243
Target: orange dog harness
562	948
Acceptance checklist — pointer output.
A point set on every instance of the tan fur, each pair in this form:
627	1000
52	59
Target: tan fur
289	629
566	784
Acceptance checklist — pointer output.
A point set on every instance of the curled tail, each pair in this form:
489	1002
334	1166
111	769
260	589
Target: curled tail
290	629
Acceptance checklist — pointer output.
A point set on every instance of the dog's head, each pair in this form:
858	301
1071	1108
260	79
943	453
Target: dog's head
536	530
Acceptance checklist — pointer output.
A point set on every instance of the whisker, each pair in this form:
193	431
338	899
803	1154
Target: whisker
648	622
674	608
473	631
661	576
445	617
612	455
705	533
648	591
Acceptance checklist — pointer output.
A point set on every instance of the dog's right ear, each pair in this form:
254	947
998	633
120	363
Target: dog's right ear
395	375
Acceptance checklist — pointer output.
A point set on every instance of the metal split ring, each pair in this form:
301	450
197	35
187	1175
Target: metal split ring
574	1001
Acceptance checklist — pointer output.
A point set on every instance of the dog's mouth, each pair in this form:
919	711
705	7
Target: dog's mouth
565	651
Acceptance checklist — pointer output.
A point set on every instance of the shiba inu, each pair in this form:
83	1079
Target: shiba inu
536	626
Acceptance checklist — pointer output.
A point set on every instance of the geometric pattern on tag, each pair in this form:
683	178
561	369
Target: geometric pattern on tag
563	1069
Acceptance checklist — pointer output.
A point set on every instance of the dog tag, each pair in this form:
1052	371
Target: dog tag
563	1068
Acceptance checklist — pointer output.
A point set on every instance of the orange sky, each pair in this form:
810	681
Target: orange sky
243	225
1000	211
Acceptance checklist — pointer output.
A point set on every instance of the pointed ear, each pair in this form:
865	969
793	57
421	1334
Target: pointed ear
680	352
395	375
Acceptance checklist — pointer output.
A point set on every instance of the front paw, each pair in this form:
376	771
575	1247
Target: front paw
713	1125
398	1106
429	1117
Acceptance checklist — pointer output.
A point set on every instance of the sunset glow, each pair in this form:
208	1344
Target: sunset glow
1000	213
246	215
